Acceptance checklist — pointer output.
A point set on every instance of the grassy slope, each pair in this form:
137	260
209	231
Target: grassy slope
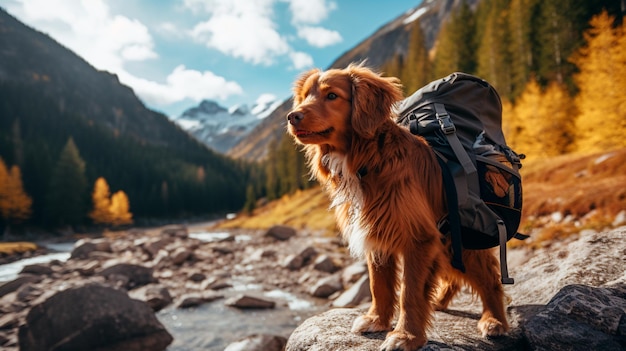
562	195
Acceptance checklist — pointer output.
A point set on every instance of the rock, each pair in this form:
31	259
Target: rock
8	321
281	232
180	255
154	246
92	317
296	261
259	343
324	263
14	284
137	275
331	331
37	269
580	318
178	231
249	302
327	286
358	293
197	277
84	247
353	272
157	296
194	299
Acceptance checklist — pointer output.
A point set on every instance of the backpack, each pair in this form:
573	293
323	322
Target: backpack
460	116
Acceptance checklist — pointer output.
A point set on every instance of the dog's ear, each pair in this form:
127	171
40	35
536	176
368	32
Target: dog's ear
298	86
373	97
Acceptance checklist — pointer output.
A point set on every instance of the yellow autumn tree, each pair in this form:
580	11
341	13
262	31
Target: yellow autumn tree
601	102
120	209
543	123
101	198
527	140
15	204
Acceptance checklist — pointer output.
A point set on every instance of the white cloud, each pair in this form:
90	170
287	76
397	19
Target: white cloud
183	84
107	42
319	37
301	60
242	29
88	29
310	11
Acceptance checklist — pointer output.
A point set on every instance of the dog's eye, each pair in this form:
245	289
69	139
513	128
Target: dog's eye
331	96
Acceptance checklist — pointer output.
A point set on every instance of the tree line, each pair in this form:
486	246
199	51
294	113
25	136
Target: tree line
559	66
161	182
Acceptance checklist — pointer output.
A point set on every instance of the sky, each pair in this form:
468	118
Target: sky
176	53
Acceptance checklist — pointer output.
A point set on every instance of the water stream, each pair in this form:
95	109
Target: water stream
211	326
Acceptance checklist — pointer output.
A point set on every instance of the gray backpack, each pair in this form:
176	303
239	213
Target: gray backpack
461	118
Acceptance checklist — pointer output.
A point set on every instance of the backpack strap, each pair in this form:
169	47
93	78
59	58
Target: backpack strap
453	219
470	181
504	271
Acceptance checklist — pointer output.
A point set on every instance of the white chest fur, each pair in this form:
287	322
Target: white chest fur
347	191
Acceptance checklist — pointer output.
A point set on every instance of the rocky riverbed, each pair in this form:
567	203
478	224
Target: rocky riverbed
179	289
209	289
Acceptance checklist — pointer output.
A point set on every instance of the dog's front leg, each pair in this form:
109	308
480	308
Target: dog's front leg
383	283
419	269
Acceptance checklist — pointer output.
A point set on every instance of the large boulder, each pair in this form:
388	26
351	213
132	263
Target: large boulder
580	317
92	317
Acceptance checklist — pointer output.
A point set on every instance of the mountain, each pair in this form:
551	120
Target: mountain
221	128
388	41
49	95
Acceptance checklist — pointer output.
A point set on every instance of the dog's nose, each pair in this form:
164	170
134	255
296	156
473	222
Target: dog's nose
294	117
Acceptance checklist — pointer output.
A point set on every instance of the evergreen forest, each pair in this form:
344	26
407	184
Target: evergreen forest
558	65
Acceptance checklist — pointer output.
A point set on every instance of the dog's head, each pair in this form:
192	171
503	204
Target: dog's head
332	107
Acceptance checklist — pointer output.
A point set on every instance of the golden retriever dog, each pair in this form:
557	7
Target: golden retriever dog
386	189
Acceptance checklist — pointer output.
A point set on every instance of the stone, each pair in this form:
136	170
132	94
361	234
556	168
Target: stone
259	342
281	232
177	231
84	247
196	299
357	294
154	246
326	286
353	272
324	263
249	302
92	317
580	317
157	296
37	269
13	285
137	275
180	255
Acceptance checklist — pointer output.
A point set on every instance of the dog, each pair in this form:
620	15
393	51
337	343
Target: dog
386	189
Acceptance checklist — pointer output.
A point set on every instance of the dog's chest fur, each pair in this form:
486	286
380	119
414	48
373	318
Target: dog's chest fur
345	190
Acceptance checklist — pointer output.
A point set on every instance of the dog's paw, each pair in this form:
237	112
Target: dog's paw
491	327
368	324
402	341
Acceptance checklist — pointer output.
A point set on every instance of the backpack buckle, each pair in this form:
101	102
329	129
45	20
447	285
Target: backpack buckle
446	123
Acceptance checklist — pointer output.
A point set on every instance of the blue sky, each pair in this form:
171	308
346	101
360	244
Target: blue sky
176	53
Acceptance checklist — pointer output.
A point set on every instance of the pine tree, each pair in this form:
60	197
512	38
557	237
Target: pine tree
67	196
520	44
456	44
493	60
601	122
101	199
528	138
416	70
120	209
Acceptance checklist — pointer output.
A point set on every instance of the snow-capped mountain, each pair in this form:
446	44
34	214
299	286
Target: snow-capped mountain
221	128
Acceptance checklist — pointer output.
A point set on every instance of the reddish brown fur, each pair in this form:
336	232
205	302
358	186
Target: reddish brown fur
387	192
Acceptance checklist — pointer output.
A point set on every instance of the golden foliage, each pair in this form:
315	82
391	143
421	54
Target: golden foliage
101	213
601	122
541	122
15	204
109	209
120	209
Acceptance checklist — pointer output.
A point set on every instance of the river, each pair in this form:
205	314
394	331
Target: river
211	326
